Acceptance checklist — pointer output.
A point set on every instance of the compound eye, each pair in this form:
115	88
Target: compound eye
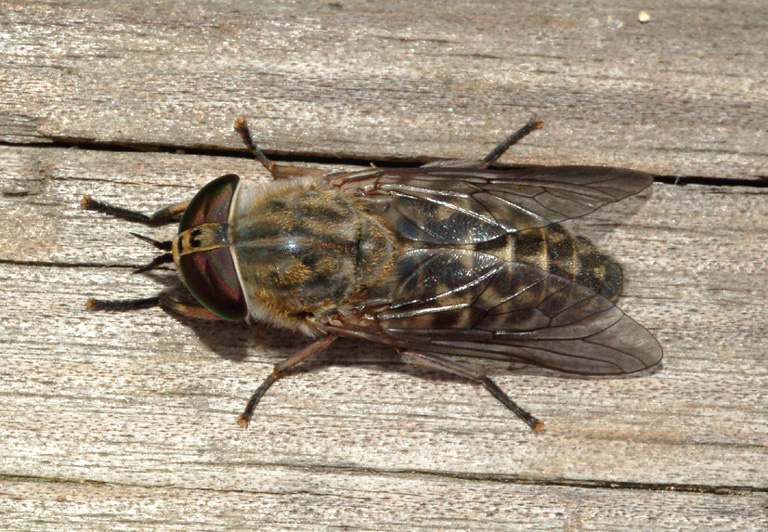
211	275
211	204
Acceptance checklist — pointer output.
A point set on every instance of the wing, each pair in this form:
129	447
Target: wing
470	303
439	205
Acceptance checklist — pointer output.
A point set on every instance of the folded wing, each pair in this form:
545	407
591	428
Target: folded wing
469	303
440	205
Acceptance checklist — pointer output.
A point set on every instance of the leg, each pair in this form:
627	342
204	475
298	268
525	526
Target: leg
437	362
126	304
532	124
278	172
185	309
164	216
159	260
164	302
280	370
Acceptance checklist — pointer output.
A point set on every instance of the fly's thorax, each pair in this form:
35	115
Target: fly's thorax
304	252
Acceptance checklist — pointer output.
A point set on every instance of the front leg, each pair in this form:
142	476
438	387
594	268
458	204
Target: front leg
164	216
164	302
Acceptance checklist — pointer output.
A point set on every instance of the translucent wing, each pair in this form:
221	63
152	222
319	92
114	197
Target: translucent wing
470	303
441	205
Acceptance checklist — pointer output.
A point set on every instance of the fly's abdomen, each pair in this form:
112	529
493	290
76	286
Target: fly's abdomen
555	250
598	271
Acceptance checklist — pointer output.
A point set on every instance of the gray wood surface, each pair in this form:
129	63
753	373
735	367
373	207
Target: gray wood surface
126	421
685	94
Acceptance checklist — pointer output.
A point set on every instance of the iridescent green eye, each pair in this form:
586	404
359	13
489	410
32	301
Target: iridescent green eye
211	275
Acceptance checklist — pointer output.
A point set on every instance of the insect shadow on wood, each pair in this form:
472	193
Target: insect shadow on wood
449	259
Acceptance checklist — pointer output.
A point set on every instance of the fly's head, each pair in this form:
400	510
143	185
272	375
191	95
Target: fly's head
202	250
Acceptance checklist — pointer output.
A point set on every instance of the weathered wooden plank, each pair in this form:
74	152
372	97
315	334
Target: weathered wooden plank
292	499
146	398
146	402
685	94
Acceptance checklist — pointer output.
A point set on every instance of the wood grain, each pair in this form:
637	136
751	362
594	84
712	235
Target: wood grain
683	95
127	420
311	499
144	400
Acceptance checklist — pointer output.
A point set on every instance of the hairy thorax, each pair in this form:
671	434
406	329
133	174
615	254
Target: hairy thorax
305	252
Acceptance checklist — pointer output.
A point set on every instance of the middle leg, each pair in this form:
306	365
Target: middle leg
434	361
